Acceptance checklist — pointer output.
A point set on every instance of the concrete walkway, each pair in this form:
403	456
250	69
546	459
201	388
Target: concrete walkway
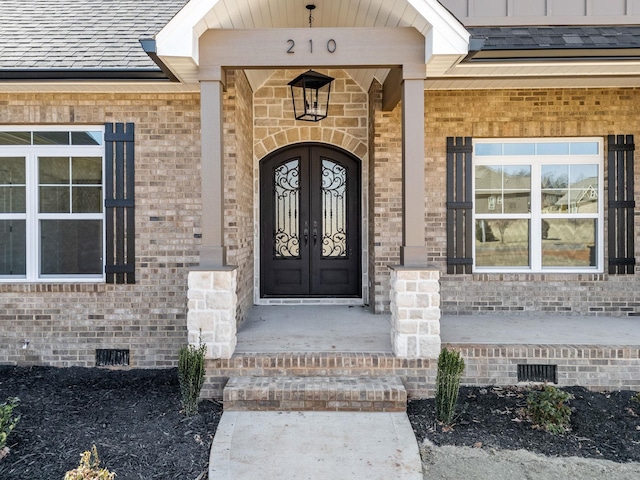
314	446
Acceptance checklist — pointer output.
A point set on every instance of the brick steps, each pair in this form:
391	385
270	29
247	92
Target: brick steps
361	394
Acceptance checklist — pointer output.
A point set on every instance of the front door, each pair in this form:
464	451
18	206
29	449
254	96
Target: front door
310	223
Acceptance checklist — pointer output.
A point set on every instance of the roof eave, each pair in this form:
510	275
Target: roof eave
478	54
84	74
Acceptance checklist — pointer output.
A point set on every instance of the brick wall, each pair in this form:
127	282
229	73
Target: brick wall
66	322
594	367
386	197
526	113
238	171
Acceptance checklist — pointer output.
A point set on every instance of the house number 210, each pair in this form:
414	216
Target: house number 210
331	46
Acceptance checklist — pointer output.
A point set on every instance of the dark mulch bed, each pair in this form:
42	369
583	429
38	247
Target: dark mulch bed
131	416
603	425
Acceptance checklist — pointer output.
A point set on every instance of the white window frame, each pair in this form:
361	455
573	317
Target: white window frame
535	215
32	217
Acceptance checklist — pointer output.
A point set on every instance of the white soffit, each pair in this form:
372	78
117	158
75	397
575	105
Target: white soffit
177	42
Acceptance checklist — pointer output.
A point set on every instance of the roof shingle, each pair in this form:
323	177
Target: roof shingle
521	38
80	34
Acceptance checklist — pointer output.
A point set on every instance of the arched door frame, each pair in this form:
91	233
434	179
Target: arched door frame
364	250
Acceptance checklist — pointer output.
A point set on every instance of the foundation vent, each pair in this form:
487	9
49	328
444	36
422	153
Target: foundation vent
112	357
538	373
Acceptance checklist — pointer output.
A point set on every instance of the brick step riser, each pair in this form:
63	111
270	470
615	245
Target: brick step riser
315	394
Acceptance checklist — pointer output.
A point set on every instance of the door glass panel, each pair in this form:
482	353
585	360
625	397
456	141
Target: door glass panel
334	210
287	210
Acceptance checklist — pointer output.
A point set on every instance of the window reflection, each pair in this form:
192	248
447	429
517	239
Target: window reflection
503	189
568	242
569	189
502	242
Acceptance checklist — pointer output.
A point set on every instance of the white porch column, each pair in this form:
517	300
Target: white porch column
212	252
415	312
413	250
212	299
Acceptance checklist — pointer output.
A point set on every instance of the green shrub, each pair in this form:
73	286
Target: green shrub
191	376
89	468
450	368
636	397
547	409
8	420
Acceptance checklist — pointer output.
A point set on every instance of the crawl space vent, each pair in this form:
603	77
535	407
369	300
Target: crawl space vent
112	357
538	373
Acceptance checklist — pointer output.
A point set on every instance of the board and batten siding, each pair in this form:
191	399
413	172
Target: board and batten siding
544	12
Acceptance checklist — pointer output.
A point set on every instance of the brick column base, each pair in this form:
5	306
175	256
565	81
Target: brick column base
211	315
415	312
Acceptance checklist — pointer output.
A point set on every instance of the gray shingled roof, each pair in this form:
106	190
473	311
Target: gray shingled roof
80	34
546	38
103	35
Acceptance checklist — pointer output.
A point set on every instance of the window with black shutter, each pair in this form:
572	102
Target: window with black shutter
621	204
119	203
51	212
459	205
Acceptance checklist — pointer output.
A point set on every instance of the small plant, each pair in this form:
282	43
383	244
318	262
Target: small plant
8	422
547	409
191	376
89	468
450	368
636	397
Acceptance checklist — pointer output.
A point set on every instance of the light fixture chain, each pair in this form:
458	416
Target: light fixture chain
311	7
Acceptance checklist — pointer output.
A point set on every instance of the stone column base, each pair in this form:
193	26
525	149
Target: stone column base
211	315
415	312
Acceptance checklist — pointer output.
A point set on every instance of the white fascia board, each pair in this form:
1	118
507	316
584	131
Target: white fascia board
447	35
179	37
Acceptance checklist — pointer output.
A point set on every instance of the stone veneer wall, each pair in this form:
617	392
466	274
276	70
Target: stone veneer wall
238	178
66	322
345	127
527	113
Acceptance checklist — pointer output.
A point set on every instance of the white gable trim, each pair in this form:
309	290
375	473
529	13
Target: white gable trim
447	36
444	34
178	38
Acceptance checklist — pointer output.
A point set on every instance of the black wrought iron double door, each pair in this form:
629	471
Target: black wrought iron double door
310	223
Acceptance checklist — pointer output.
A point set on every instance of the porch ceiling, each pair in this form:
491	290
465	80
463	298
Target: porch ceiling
447	40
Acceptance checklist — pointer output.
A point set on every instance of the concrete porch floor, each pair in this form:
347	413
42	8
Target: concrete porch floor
342	328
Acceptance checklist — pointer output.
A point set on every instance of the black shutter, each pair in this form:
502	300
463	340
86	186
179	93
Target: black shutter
621	204
459	205
119	203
